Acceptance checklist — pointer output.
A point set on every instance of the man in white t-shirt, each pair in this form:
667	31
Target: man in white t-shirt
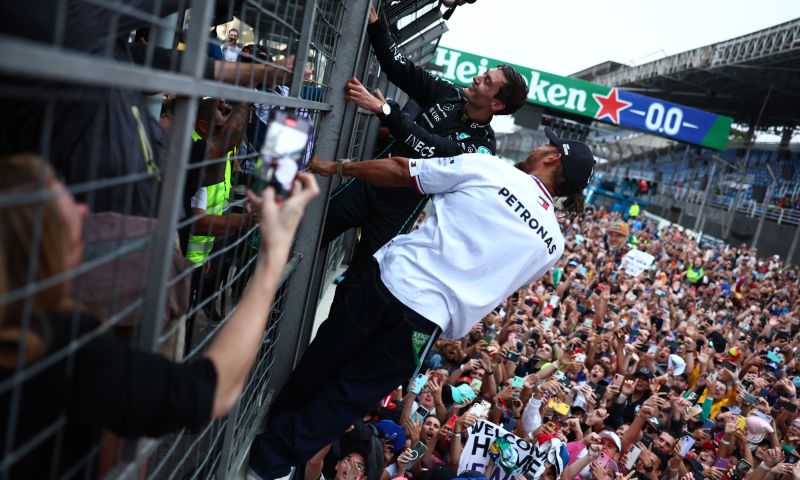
492	229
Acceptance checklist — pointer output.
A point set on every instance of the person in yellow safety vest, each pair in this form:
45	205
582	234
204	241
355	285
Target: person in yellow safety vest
633	212
696	272
210	201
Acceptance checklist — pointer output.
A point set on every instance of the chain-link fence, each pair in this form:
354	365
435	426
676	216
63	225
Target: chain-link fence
151	113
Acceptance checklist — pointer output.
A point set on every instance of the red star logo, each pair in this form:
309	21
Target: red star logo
610	106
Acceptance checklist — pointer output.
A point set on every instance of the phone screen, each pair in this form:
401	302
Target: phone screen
282	153
633	456
742	467
685	443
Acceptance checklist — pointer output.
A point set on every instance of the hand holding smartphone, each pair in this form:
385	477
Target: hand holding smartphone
632	457
418	383
685	444
282	153
416	454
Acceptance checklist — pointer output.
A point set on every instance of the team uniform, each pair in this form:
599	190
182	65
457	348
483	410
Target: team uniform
493	229
440	129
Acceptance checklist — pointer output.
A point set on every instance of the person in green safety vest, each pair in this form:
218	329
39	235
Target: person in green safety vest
221	130
695	273
633	212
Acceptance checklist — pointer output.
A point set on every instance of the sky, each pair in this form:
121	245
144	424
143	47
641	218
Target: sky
566	36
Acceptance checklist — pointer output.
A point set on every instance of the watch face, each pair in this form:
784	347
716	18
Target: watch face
386	109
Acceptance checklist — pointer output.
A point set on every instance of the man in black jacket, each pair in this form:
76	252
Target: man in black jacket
452	121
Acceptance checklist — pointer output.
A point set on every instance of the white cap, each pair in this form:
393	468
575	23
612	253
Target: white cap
612	436
676	364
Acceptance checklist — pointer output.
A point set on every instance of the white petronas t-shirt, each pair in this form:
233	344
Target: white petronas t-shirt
492	229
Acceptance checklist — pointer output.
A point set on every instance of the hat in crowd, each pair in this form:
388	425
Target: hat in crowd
470	474
613	437
577	159
462	392
733	354
643	372
573	262
619	227
676	364
393	434
655	422
757	428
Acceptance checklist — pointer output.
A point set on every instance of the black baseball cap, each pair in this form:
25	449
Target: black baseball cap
578	161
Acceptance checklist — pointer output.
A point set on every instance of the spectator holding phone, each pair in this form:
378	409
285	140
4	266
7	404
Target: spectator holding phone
109	385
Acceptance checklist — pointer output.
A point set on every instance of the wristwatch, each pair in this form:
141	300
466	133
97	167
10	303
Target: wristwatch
386	110
340	166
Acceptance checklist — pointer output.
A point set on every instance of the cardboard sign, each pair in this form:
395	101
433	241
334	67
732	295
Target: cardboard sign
532	457
636	261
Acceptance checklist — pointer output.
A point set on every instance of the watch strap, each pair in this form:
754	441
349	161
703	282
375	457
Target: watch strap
340	166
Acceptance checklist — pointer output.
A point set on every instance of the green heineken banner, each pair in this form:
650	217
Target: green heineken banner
606	104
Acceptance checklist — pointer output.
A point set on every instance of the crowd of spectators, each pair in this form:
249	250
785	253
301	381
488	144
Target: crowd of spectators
687	370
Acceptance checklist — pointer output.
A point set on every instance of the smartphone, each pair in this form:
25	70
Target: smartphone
647	441
633	456
789	406
560	408
416	454
618	379
487	339
517	382
741	423
614	308
418	383
652	349
476	385
791	459
580	357
722	463
520	346
728	365
452	422
685	444
420	414
774	357
741	469
479	409
561	377
529	301
282	154
746	384
512	356
749	398
588	323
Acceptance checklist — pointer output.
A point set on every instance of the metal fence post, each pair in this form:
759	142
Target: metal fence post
793	247
762	218
303	291
172	184
309	12
700	221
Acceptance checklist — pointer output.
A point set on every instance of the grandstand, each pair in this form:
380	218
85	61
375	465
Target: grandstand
752	78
